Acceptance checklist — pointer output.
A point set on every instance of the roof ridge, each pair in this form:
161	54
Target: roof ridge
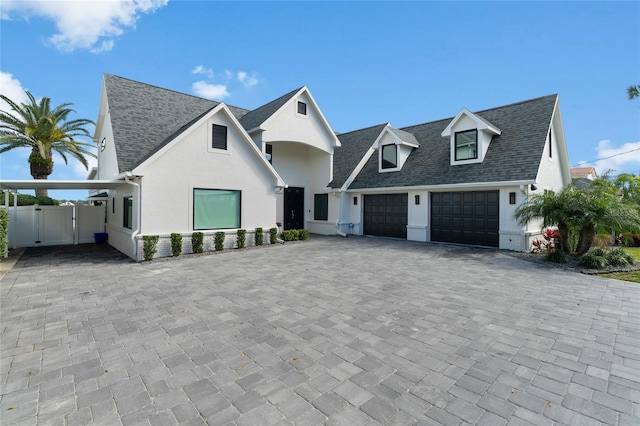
483	111
174	91
364	128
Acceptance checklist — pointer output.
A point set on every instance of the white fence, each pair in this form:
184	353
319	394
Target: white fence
33	226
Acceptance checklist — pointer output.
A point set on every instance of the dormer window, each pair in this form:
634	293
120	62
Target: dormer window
469	137
467	145
389	156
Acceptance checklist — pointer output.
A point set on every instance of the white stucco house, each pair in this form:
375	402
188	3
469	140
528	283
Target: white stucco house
189	164
457	180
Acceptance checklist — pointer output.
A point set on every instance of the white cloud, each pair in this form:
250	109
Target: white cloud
199	69
209	90
78	168
91	25
12	89
247	80
619	159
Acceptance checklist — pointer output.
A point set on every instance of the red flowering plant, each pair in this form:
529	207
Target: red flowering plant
548	244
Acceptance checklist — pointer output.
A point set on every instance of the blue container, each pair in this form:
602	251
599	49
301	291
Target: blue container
101	237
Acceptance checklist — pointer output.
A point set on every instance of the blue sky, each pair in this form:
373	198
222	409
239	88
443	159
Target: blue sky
365	62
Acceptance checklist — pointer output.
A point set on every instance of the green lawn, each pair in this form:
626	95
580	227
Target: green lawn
628	276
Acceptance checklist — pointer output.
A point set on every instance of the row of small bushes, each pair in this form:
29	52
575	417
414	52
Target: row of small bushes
294	235
150	242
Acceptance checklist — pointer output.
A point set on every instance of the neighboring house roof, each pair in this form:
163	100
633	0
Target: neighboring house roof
583	172
255	118
145	118
514	155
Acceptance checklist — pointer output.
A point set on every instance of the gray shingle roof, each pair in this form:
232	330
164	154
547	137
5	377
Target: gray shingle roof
405	136
255	118
354	145
145	118
514	155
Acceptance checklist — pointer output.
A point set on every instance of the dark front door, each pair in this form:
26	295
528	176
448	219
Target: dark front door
466	217
385	215
294	208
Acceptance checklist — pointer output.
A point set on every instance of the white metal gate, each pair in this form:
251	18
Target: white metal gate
32	226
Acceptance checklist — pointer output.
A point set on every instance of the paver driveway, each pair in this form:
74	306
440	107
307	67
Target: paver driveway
330	331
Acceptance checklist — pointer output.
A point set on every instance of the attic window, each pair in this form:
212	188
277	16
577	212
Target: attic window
467	145
219	138
389	156
302	108
550	145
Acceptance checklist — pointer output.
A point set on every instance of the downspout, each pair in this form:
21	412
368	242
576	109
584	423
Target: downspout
127	175
339	216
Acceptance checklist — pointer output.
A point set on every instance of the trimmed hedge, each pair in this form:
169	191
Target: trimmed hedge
242	238
149	246
176	244
294	234
259	237
4	230
273	235
218	240
197	239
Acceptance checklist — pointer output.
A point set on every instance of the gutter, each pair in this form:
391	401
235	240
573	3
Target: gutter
134	234
342	234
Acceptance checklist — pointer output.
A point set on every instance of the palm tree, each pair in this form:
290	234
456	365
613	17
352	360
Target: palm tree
604	205
554	209
35	125
600	206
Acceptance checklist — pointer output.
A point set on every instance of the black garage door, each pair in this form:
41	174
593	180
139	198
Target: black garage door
465	217
385	215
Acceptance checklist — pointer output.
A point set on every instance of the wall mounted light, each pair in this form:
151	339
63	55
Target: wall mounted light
512	198
417	200
533	187
355	201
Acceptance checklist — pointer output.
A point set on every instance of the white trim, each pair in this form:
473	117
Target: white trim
481	123
357	169
221	107
323	120
457	187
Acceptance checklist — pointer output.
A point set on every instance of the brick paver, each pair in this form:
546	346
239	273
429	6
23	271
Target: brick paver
328	331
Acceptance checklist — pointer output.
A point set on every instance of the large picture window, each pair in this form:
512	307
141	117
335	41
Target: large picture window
467	145
216	209
320	207
389	156
127	209
219	138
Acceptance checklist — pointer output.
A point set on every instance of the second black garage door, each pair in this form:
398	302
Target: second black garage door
465	217
385	215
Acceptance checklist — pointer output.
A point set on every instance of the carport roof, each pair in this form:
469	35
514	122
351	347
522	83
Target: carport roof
58	184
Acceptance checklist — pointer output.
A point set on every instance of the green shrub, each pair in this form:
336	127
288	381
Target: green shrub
197	239
593	261
303	234
30	200
242	238
289	235
273	235
218	240
4	230
600	251
556	256
619	257
176	244
259	237
149	246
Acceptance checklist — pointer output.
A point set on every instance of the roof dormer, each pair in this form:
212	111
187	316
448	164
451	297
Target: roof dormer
394	147
470	136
